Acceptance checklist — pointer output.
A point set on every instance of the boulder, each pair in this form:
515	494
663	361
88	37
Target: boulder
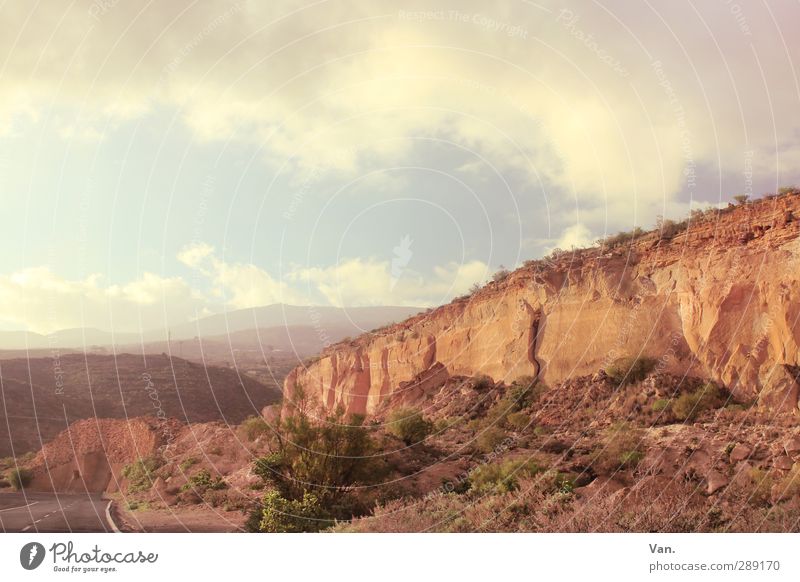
716	481
740	452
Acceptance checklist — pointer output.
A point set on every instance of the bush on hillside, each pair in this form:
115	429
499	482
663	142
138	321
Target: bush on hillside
690	405
202	481
491	438
622	448
276	514
254	427
502	477
630	370
141	473
19	478
409	425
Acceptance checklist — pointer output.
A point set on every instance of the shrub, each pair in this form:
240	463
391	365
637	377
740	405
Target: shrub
622	448
409	425
201	482
524	391
630	370
502	477
254	427
519	421
141	473
760	487
689	405
325	458
667	228
280	515
660	404
19	478
489	439
501	274
741	199
615	240
482	382
187	463
784	190
789	486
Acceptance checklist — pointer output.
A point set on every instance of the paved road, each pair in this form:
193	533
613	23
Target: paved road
48	513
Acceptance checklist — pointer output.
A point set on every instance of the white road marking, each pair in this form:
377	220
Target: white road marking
26	528
19	507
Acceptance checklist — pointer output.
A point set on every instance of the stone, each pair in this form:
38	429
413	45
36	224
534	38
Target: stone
716	481
740	452
792	446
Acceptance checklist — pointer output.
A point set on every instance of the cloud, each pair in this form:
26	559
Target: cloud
350	282
611	104
575	236
194	254
38	300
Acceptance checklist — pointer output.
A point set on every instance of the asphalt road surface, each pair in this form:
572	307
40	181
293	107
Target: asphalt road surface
51	513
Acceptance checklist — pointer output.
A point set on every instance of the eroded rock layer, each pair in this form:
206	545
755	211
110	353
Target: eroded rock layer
719	300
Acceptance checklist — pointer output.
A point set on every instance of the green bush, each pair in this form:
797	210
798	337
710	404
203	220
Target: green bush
280	515
519	421
254	427
324	458
500	275
201	482
187	463
409	425
502	477
621	448
483	382
489	439
660	404
19	478
630	370
140	474
689	405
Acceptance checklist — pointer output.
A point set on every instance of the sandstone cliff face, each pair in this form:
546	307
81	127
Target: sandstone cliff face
719	300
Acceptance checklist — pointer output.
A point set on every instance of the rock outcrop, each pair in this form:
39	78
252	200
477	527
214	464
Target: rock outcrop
718	300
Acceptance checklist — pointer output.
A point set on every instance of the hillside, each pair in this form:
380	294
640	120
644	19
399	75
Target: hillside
716	298
42	396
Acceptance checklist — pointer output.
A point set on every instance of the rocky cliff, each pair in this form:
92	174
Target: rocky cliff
716	298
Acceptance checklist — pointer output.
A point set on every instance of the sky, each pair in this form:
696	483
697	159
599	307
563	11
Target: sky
163	161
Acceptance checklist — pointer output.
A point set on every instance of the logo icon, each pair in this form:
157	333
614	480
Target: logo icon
402	256
31	555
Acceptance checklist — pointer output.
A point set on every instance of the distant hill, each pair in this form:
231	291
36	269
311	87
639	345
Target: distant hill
317	327
42	396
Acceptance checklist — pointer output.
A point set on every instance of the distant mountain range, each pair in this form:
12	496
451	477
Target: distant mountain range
305	329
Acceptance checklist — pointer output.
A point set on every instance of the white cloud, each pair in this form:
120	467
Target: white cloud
38	300
348	85
575	236
194	254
